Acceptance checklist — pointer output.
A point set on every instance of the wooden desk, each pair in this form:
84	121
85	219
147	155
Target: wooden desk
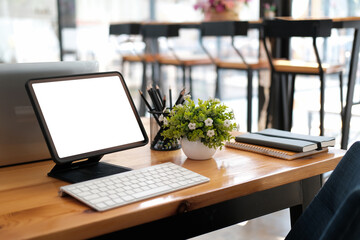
243	185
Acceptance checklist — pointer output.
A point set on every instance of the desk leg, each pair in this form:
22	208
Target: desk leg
346	117
309	188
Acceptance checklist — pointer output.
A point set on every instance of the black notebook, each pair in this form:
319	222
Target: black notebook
286	140
321	141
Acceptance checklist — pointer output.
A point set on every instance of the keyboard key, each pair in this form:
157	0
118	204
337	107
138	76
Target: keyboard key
91	197
152	191
99	200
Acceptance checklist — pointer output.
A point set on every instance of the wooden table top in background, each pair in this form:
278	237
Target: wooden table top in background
254	21
31	207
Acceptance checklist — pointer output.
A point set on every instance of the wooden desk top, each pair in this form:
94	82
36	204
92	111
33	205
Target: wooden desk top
340	22
258	21
31	207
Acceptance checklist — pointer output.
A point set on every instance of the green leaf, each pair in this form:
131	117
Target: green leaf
181	115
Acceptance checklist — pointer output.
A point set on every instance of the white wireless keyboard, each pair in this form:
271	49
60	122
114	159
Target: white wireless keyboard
123	188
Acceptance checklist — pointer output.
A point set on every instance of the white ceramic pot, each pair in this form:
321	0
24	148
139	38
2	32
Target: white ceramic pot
196	150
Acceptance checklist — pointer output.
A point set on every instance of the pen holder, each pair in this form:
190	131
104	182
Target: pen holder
157	141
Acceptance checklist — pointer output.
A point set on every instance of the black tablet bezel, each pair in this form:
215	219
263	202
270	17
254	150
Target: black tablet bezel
46	132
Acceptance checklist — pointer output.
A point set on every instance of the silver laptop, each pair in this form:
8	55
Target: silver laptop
21	139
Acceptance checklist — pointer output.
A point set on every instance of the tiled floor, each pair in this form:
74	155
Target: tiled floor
273	226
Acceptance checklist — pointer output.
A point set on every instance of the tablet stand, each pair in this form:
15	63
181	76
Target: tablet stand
79	171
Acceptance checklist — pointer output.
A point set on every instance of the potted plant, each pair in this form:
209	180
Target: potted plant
220	10
269	10
202	128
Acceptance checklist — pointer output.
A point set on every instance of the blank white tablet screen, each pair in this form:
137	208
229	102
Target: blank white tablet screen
88	114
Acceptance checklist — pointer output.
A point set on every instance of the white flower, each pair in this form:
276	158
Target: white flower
187	97
208	122
192	126
166	122
161	118
227	123
210	133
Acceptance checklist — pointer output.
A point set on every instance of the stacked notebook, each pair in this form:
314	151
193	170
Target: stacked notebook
282	144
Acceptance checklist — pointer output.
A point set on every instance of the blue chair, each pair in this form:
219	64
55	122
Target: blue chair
334	213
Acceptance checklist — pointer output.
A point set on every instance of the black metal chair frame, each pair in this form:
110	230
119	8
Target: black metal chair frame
132	29
305	28
168	31
231	29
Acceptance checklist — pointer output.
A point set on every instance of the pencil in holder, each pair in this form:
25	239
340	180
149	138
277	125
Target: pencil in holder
157	141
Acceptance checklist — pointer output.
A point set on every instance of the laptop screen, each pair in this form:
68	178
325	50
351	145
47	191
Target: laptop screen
86	115
21	139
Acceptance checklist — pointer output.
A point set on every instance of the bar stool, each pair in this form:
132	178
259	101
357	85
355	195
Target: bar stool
280	28
131	30
232	29
171	57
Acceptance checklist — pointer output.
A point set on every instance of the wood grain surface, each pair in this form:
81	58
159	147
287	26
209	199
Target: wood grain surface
31	207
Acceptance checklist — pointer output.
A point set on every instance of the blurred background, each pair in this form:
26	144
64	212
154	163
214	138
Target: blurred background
54	30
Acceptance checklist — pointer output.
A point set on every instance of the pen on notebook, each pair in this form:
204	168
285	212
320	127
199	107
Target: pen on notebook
178	101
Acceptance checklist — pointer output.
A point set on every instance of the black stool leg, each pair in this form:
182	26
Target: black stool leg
143	89
322	100
291	99
249	99
271	93
184	75
284	100
341	94
190	80
217	83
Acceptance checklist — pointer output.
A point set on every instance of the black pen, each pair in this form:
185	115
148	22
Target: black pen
164	102
154	99
158	92
158	102
150	109
183	99
180	97
146	102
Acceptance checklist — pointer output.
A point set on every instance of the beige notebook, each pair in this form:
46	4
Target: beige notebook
273	152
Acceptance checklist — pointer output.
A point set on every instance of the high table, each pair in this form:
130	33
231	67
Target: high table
243	185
